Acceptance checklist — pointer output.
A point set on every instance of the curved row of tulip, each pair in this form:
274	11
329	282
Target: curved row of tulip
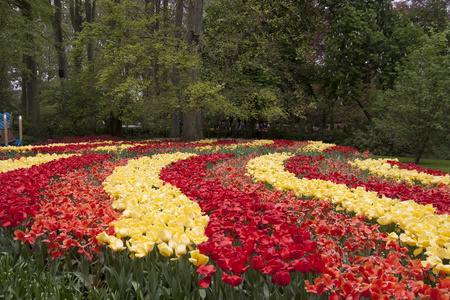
384	168
29	161
423	228
153	213
275	234
210	206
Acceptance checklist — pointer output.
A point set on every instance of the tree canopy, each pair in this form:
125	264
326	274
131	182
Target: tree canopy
417	108
174	66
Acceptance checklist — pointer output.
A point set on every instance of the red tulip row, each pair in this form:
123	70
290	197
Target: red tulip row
251	226
74	209
62	203
278	234
338	171
412	166
347	151
170	145
21	188
83	139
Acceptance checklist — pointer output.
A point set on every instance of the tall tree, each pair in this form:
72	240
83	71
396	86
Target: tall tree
175	126
59	39
428	14
12	41
76	18
90	8
417	109
359	50
260	51
192	116
34	14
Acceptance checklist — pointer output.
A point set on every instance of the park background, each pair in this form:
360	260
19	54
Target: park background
373	75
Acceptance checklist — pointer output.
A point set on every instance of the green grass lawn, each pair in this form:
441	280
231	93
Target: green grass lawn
439	164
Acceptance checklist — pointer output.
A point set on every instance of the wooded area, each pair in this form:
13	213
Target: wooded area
374	72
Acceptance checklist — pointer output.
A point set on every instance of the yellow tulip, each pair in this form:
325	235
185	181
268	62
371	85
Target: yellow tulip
116	244
180	250
164	235
393	236
103	237
385	220
165	250
443	268
417	251
197	258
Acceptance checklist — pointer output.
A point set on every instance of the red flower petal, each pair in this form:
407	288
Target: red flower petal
231	280
205	282
206	270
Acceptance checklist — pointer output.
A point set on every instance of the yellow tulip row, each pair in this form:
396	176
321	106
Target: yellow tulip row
318	146
204	141
422	227
381	167
28	162
24	149
253	144
116	148
154	213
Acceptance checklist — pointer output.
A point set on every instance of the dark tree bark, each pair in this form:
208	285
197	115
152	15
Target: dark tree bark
90	17
30	101
115	125
251	131
175	128
192	118
76	19
59	40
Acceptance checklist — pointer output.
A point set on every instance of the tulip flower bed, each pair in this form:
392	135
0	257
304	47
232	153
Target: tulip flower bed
97	218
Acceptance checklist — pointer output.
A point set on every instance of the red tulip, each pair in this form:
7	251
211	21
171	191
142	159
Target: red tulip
206	270
257	263
302	265
231	280
281	278
205	282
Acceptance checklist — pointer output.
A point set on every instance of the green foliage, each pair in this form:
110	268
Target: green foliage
256	49
143	69
206	95
379	140
417	110
352	48
69	108
364	41
429	15
19	37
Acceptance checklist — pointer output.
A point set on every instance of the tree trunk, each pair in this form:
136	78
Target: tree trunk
77	22
115	125
30	101
24	105
192	118
251	131
32	89
420	149
90	16
175	126
59	40
192	125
